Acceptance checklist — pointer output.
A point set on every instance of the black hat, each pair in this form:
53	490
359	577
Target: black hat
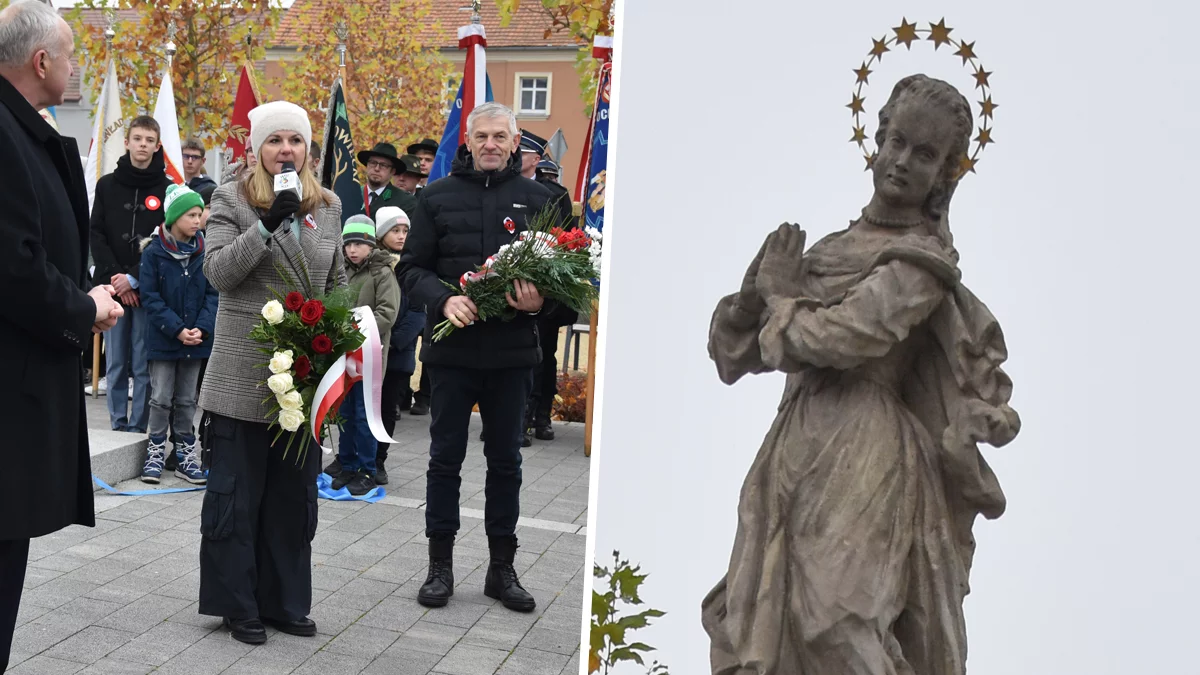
412	164
385	150
206	193
531	142
427	144
547	166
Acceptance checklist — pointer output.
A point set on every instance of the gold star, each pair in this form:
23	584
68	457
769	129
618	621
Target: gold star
862	73
967	165
870	160
987	107
905	33
879	48
981	77
984	137
940	34
856	105
860	134
966	51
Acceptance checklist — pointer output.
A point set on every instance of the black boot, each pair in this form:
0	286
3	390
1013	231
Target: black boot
419	408
250	631
542	429
381	477
501	582
439	585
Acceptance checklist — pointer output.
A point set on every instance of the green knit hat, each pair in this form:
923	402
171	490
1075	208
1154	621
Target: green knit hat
179	200
359	228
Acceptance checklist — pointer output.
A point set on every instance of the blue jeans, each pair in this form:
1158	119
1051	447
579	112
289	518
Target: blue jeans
356	443
125	352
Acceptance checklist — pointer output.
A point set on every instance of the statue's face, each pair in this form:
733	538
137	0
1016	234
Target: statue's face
910	161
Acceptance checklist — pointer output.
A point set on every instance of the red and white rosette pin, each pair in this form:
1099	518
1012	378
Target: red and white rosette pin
510	225
153	203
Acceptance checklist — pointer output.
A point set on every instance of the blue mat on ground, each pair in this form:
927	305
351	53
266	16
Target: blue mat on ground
325	491
139	493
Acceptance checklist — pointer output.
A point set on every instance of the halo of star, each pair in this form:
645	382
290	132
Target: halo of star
939	34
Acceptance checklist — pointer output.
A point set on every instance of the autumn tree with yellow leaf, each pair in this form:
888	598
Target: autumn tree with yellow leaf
395	83
582	19
211	45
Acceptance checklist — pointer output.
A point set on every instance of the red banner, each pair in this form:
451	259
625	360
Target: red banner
239	125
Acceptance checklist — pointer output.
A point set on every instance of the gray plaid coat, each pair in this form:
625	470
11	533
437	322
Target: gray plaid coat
239	264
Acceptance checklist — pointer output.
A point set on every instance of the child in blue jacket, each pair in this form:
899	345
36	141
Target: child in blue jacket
182	308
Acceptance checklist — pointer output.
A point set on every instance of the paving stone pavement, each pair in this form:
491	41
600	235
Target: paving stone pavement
120	598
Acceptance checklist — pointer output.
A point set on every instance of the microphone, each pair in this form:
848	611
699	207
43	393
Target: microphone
288	180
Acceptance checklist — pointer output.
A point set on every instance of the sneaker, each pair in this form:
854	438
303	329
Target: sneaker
153	468
189	467
362	483
102	387
334	469
343	478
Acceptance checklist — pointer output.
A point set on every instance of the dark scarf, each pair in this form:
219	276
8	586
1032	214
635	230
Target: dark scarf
131	176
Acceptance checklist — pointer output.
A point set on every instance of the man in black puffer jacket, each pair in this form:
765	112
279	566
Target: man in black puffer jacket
460	220
127	209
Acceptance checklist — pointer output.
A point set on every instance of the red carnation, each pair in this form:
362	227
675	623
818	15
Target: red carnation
311	312
294	301
303	366
322	344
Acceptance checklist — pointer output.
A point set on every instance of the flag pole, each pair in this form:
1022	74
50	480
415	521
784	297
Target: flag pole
109	34
602	50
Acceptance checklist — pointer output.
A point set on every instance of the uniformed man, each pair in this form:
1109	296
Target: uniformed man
410	177
382	164
425	152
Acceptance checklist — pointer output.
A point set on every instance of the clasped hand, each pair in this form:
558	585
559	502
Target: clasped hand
775	271
108	310
191	336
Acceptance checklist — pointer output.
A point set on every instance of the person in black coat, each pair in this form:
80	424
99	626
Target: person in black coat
552	320
459	221
127	209
50	311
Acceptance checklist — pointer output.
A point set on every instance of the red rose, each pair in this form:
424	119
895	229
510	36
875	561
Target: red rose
294	301
322	344
303	366
311	312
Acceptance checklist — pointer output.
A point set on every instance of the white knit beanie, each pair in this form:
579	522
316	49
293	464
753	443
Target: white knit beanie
388	217
269	118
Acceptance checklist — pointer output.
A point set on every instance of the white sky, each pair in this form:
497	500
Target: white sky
1078	232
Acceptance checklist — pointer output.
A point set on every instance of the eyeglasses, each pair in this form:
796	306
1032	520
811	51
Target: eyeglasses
194	157
374	164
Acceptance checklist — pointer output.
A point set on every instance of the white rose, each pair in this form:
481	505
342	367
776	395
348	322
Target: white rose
290	401
281	383
291	420
281	362
273	312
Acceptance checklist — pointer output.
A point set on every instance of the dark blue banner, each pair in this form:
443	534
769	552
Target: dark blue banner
449	145
593	193
337	159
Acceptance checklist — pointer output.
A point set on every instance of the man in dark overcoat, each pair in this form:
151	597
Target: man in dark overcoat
50	310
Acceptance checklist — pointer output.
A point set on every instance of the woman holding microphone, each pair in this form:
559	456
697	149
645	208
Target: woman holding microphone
260	510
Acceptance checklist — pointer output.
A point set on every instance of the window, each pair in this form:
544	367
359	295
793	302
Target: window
533	94
448	96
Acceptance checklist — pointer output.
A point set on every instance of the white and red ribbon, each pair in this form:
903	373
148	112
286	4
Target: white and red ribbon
365	365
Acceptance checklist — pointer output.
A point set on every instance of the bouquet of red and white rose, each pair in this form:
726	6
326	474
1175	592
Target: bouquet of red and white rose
564	265
305	337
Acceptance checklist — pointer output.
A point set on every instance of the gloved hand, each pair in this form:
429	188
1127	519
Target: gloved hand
285	204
